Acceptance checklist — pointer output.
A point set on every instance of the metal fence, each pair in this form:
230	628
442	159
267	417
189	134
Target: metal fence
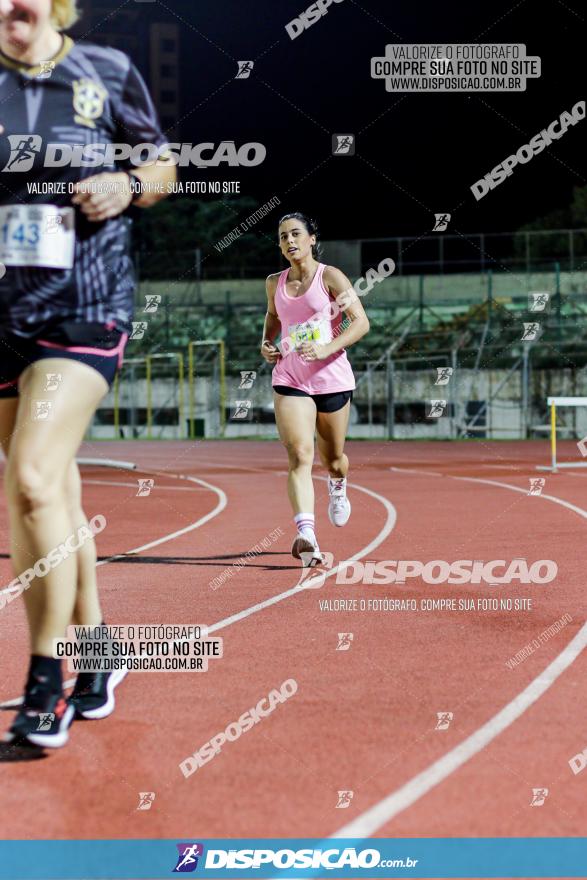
526	251
429	253
396	398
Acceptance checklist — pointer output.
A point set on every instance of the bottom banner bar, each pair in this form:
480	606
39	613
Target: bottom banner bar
528	857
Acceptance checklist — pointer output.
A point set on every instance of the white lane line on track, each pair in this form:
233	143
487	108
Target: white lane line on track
222	502
134	486
314	581
247	612
503	467
378	815
387	809
401	470
553	498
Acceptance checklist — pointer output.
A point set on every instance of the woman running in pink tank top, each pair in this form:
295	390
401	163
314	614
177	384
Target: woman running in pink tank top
312	379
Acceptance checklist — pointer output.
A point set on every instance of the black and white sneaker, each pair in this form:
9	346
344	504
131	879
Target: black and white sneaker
43	721
93	694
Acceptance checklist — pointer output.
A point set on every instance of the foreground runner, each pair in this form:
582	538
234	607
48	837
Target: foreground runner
312	379
65	311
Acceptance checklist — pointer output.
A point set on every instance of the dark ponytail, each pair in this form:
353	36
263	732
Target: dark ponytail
311	228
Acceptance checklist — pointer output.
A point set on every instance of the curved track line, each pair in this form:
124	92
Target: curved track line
317	580
401	470
222	502
378	815
552	498
134	485
373	819
309	583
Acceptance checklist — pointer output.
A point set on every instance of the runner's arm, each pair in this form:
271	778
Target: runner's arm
342	290
109	194
272	324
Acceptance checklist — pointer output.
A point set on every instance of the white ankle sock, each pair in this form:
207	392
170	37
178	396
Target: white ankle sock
305	524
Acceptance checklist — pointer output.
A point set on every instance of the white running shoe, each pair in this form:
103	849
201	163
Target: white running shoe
339	506
305	547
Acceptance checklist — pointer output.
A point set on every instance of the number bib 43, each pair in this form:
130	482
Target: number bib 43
37	235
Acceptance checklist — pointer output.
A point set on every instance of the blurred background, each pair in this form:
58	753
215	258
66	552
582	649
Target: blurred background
485	313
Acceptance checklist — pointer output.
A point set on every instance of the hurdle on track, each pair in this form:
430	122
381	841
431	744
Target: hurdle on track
555	465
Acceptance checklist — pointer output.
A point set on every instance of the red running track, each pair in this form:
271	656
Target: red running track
362	719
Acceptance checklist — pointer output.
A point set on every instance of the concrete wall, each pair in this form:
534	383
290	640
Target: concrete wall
503	418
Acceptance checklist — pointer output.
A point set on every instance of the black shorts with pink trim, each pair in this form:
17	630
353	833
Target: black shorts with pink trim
99	346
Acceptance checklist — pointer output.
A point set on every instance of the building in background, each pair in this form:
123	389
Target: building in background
151	36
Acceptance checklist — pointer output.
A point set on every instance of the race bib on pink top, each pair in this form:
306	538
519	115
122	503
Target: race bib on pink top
308	318
314	330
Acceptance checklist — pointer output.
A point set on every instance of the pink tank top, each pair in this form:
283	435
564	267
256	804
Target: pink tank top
309	317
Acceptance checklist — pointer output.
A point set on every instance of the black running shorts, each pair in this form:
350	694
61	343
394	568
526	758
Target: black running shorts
97	345
325	403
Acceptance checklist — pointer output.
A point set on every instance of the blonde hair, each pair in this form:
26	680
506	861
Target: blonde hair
64	14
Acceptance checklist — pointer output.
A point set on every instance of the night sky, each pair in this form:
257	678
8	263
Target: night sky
416	153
